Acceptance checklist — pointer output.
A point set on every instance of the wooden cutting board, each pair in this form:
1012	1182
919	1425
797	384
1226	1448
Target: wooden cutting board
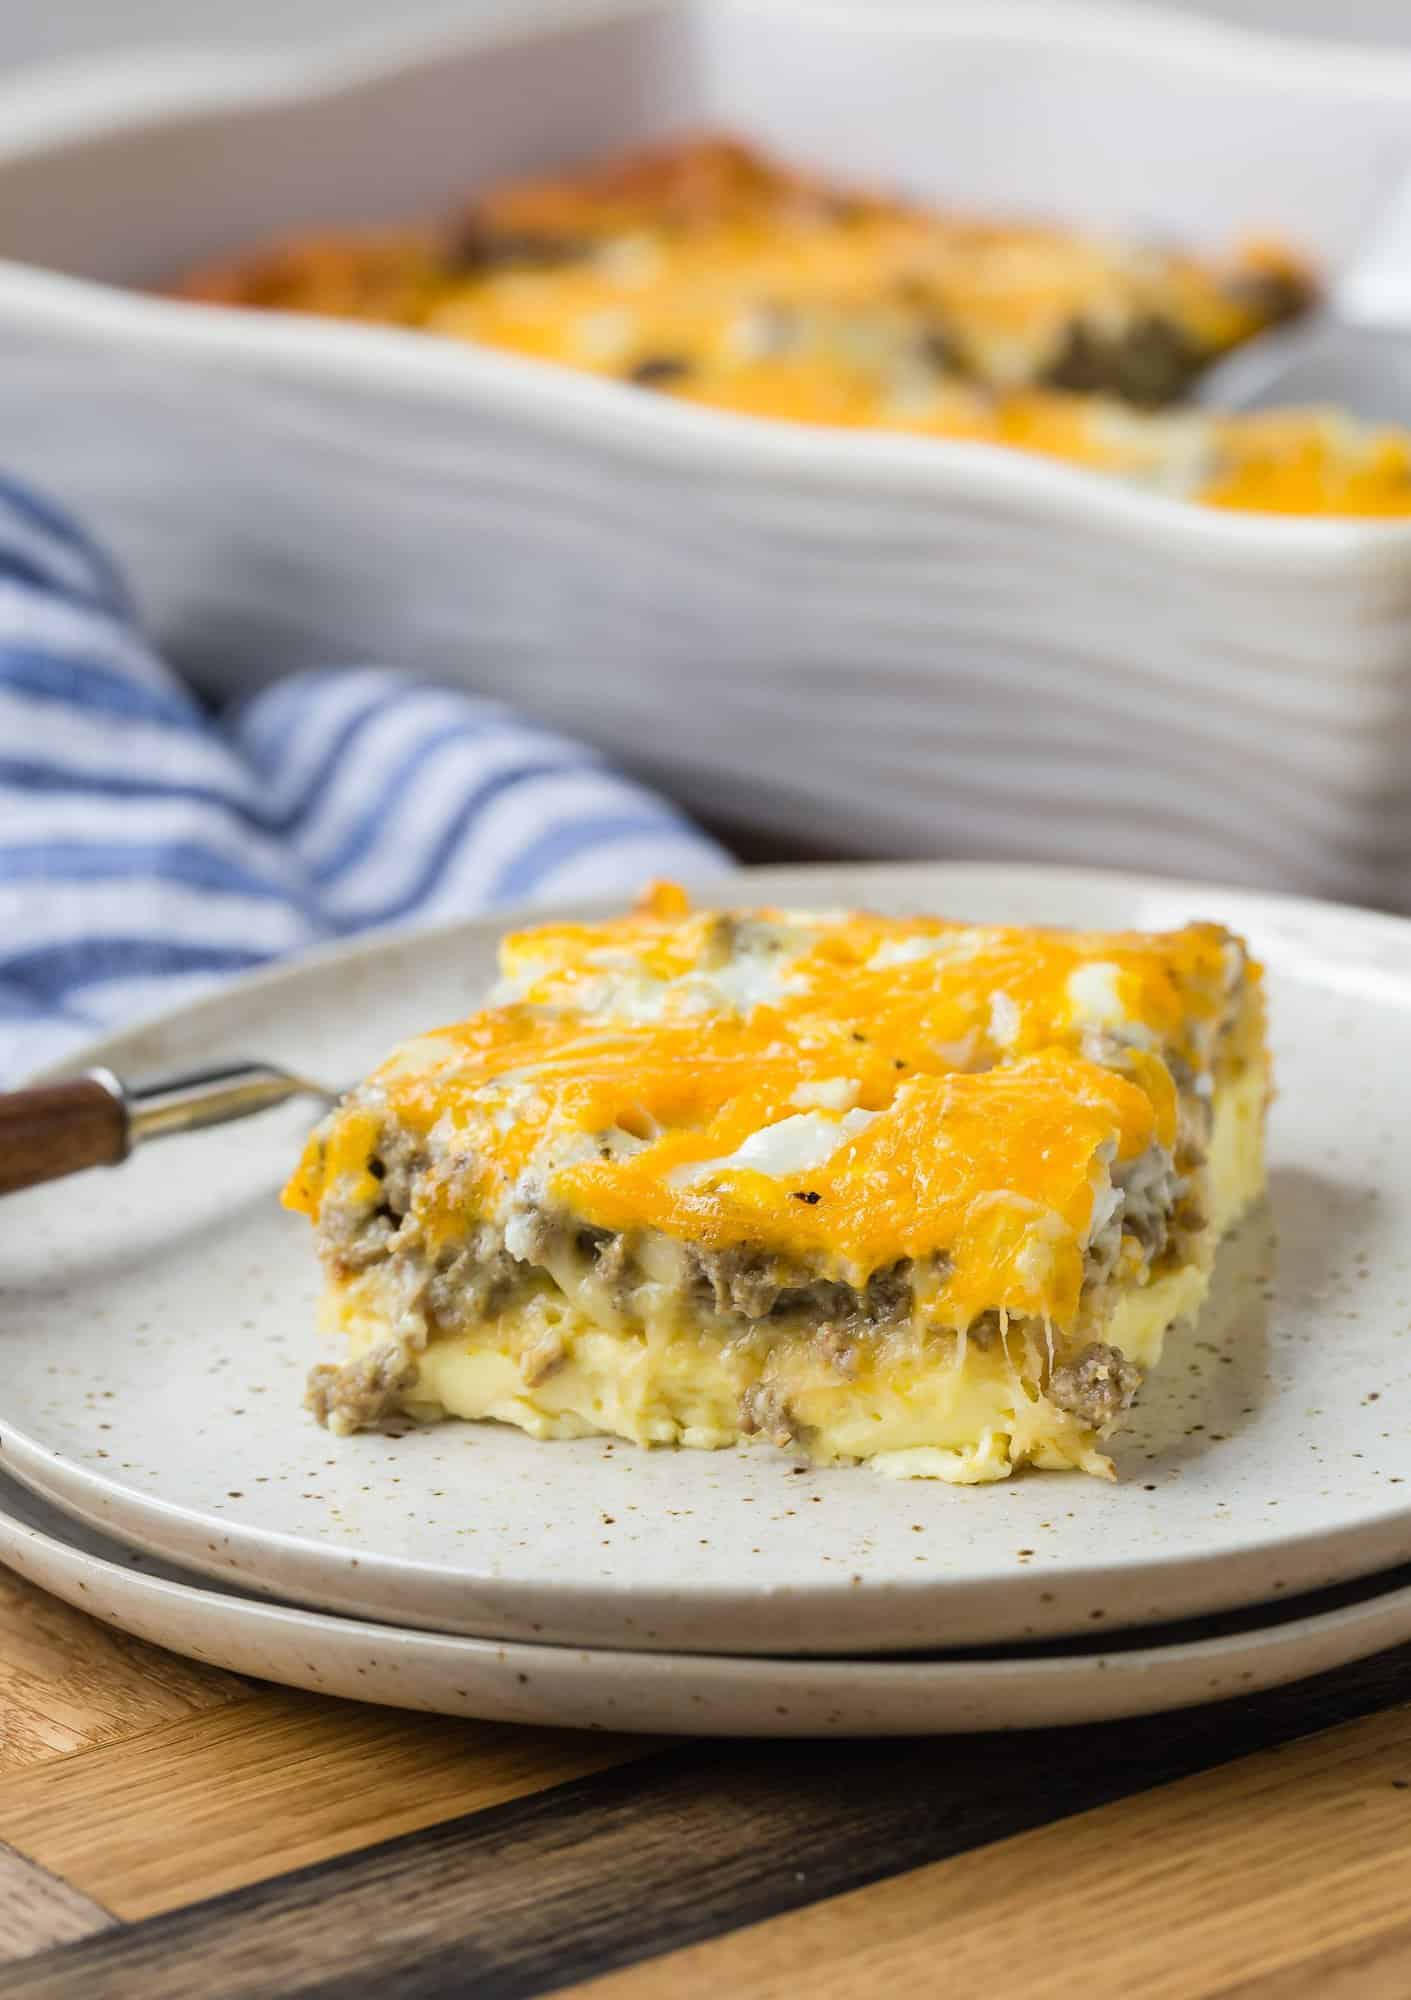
173	1831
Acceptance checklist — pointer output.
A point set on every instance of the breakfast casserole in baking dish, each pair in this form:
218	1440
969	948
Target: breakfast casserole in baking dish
708	273
915	1192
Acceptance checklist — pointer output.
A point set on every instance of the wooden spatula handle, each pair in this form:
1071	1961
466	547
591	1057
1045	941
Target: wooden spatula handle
59	1128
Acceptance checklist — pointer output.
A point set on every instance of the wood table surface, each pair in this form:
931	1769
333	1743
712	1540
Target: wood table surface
169	1830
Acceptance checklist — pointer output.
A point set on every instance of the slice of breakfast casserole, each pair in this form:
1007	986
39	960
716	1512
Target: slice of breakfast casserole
864	1187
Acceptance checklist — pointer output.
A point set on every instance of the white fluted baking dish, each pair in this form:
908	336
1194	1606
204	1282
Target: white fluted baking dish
867	642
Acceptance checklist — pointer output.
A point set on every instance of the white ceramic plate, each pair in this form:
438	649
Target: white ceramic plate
157	1324
670	1693
888	641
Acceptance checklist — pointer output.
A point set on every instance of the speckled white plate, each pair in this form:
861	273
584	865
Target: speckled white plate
156	1324
699	1694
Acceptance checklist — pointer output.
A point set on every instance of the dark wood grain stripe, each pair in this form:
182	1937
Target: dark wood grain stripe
1249	1870
37	1910
283	1780
688	1844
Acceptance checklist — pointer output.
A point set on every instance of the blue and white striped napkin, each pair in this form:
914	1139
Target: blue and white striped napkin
149	849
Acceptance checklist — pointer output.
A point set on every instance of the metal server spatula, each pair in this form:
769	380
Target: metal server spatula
96	1119
1354	352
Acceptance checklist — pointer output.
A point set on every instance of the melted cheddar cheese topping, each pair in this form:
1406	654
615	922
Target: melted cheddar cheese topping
708	273
995	1171
915	991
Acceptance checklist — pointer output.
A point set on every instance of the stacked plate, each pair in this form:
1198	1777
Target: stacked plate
163	1475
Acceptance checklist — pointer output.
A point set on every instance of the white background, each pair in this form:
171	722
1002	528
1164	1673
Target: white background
34	31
